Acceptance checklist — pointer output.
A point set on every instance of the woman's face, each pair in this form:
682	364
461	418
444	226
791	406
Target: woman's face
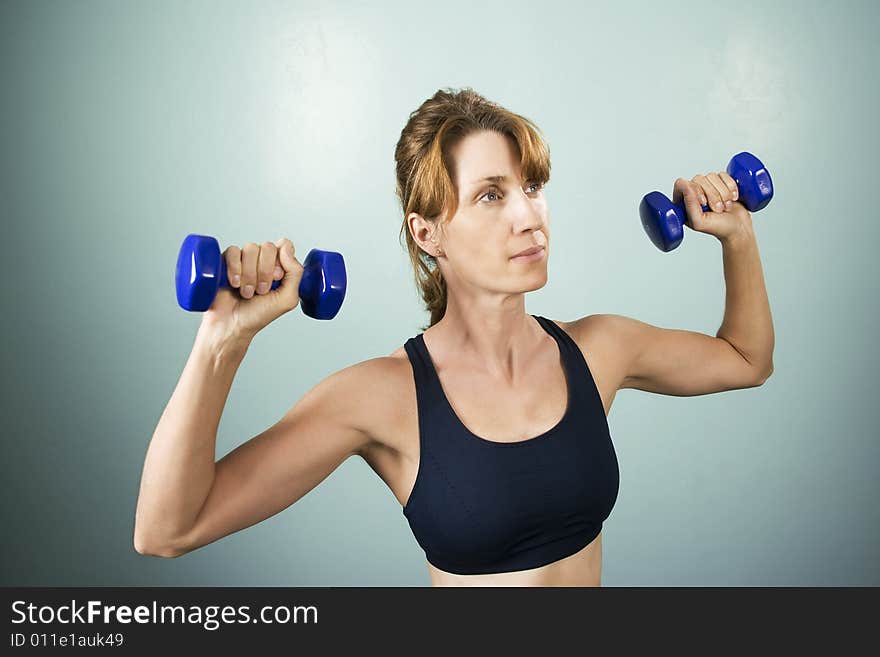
495	219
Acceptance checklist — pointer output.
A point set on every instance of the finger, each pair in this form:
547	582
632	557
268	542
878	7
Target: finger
688	193
288	293
722	188
249	257
278	273
232	256
286	252
265	266
731	184
715	202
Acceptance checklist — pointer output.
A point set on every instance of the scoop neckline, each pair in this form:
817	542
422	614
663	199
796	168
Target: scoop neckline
516	443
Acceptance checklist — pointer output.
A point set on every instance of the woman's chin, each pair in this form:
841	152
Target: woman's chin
535	282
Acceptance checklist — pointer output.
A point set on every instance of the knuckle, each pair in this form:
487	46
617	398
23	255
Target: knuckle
266	265
233	258
249	251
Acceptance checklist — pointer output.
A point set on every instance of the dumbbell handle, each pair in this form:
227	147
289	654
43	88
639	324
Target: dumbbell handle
752	201
682	210
311	283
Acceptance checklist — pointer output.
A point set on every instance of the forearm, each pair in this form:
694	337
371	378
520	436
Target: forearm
747	324
179	465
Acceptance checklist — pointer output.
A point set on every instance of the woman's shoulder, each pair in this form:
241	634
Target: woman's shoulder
399	353
600	343
380	377
380	387
587	330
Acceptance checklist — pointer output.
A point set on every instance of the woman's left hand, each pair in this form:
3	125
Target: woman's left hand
727	216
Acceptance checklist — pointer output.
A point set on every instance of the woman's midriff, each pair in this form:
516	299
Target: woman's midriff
583	568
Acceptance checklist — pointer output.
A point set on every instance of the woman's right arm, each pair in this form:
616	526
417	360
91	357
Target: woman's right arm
187	500
179	465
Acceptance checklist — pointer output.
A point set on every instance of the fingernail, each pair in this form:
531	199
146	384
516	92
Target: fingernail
719	206
236	280
263	287
279	272
248	291
727	204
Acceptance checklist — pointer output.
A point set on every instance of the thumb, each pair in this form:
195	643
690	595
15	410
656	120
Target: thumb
288	291
286	255
685	192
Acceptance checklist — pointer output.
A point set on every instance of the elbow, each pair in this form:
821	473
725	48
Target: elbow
765	374
155	549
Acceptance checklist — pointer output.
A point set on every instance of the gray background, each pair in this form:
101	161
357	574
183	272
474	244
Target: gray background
128	125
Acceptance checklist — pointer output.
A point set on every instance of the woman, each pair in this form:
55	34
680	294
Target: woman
490	426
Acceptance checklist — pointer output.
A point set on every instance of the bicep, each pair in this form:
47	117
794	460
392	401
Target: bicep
274	469
677	362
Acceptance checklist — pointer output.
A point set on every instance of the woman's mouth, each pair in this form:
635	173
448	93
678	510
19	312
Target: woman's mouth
530	257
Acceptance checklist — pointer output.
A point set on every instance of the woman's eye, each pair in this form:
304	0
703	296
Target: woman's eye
537	185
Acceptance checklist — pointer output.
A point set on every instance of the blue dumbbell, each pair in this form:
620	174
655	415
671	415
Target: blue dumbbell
201	272
664	220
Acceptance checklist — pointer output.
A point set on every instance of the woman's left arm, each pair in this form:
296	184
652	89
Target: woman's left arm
685	363
747	323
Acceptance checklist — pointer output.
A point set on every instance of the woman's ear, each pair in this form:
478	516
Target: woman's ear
425	233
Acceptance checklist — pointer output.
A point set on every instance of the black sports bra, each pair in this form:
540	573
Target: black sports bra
480	506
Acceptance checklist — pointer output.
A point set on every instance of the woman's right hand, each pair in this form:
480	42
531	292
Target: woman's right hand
247	305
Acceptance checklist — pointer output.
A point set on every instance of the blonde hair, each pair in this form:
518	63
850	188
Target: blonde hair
425	182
